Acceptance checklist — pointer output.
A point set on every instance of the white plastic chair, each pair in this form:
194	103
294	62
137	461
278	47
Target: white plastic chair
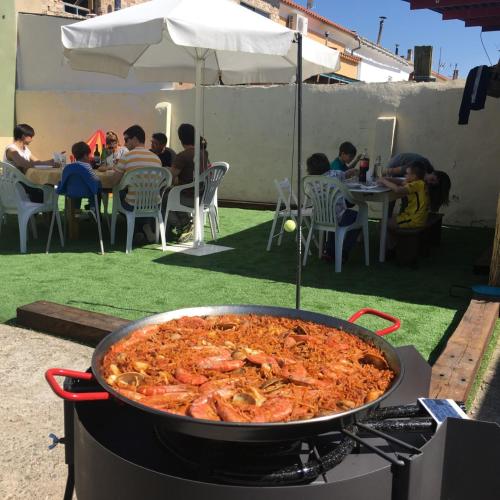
14	200
95	214
286	197
210	179
147	184
324	192
214	206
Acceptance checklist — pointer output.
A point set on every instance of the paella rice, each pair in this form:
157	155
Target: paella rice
246	368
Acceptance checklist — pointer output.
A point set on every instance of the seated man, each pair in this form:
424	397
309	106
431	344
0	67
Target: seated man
399	163
19	155
182	171
137	156
159	147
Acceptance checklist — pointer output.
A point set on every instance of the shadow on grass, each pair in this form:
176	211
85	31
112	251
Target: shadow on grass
449	264
87	241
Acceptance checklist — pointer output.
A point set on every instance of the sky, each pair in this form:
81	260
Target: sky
458	45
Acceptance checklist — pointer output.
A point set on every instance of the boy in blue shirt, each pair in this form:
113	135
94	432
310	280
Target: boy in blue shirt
346	159
83	184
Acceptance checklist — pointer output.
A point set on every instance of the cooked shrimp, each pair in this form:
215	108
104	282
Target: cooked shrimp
186	377
273	410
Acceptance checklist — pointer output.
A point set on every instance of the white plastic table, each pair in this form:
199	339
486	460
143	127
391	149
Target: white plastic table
377	194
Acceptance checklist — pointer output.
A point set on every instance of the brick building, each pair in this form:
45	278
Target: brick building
72	8
362	65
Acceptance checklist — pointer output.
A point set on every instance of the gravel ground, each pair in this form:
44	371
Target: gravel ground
487	402
30	410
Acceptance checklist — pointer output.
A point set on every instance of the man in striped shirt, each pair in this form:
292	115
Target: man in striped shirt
137	156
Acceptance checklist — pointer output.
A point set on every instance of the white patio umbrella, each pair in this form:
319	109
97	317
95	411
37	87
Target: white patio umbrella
197	41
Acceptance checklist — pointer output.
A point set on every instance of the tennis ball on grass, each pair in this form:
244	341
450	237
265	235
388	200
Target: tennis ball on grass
290	225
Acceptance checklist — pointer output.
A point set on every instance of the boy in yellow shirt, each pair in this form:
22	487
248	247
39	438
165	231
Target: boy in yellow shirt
414	214
413	187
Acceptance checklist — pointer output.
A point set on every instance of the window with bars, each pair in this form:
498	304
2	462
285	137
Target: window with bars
77	7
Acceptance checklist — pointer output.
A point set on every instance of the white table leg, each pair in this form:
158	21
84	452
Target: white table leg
383	227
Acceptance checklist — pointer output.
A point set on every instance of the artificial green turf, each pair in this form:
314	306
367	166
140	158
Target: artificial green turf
149	281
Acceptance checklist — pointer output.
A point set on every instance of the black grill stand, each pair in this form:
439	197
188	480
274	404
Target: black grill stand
459	461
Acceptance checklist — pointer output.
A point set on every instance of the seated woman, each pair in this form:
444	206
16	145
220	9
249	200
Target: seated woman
19	155
438	185
113	151
318	164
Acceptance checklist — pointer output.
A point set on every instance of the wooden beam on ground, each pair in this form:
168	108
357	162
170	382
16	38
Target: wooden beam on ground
455	370
69	322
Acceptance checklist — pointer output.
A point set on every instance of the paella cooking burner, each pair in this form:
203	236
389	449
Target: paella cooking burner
394	453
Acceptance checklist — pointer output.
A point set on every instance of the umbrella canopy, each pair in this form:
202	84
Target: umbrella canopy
98	138
159	39
196	41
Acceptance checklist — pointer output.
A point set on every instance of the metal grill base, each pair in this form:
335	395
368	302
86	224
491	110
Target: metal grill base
115	453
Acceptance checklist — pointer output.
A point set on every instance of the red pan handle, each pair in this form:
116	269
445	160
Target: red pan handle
396	322
52	373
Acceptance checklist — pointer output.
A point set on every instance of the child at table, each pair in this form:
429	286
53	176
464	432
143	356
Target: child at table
415	212
318	164
346	160
88	182
413	187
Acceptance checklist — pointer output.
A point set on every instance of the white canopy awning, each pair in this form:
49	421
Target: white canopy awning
159	39
195	41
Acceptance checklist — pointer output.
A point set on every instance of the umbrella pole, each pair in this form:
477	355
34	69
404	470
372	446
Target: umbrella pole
298	82
198	223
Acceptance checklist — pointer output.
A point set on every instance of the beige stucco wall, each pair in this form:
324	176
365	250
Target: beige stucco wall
8	73
252	129
41	65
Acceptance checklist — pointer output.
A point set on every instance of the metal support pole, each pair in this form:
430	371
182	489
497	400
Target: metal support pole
298	82
198	223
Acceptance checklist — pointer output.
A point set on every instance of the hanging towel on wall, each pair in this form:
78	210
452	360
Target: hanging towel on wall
474	97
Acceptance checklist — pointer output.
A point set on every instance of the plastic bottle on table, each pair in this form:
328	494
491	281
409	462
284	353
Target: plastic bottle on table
377	168
364	165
